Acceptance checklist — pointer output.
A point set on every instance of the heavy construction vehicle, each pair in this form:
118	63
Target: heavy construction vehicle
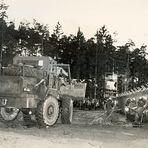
134	104
39	86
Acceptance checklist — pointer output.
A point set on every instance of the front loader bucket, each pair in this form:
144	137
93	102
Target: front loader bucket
77	91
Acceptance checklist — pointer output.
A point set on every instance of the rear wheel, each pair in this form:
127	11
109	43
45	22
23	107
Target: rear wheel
67	110
9	113
47	111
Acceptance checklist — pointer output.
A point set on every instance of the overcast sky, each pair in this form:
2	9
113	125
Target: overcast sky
129	18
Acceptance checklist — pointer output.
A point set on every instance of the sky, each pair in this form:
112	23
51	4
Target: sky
128	18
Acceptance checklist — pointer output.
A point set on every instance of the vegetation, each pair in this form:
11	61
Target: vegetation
88	58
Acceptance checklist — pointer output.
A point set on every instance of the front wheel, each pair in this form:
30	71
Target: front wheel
9	113
67	110
47	112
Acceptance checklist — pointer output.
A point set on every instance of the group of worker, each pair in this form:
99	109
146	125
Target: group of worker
135	108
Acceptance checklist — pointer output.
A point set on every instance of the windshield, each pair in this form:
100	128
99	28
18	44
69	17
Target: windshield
61	70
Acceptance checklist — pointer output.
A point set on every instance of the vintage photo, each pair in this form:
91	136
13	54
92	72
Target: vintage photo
73	74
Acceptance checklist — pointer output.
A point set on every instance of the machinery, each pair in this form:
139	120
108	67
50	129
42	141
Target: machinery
134	104
39	86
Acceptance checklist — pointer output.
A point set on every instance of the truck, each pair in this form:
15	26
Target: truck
38	86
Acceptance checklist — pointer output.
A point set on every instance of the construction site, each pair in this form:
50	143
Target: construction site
39	97
73	74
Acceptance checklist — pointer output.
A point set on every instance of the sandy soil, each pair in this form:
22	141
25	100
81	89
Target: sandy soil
73	136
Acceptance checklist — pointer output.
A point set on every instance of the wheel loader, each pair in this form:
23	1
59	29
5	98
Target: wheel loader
38	86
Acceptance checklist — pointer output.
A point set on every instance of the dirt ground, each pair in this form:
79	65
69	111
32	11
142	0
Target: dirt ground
80	134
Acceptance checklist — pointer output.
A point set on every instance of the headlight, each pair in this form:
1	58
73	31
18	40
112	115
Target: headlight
27	89
126	109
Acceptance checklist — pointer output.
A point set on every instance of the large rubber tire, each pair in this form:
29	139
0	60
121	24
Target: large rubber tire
47	112
67	110
9	114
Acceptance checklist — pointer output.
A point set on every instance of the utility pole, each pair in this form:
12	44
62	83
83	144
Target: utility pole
96	72
42	41
78	53
1	52
127	71
96	65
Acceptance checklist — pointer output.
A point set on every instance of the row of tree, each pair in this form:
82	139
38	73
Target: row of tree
88	58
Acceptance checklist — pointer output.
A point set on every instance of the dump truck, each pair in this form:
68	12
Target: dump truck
38	86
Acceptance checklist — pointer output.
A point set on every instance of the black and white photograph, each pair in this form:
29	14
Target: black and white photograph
73	74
